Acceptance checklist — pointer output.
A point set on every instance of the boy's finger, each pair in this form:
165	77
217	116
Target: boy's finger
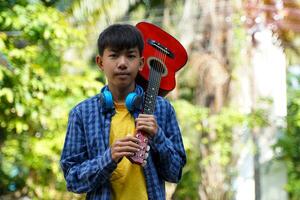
130	138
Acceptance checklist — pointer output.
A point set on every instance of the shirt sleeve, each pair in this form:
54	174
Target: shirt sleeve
167	145
81	173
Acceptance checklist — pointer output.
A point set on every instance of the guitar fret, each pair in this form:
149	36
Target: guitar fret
152	91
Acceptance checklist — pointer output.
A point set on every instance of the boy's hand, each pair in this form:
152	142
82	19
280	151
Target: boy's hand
146	123
124	147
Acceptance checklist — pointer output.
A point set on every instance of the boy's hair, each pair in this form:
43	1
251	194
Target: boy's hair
120	37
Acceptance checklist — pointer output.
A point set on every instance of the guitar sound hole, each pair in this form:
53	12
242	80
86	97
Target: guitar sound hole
157	66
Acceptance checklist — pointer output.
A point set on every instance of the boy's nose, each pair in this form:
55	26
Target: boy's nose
122	61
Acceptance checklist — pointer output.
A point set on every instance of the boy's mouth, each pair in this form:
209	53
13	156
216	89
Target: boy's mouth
122	74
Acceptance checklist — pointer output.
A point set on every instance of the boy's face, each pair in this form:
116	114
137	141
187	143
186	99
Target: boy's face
120	67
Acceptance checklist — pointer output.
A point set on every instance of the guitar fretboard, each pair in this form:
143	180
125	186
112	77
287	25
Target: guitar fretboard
152	89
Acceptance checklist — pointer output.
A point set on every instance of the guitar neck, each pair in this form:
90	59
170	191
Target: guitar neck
152	91
149	106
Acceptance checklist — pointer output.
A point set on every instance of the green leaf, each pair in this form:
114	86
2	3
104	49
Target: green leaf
8	94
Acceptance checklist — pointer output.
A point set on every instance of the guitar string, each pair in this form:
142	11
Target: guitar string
154	80
149	89
154	83
157	76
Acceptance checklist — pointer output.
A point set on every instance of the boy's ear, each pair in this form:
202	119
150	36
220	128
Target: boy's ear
142	61
99	61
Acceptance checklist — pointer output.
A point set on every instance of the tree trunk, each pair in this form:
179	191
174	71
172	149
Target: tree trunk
210	66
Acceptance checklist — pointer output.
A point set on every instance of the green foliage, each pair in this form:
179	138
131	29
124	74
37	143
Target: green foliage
258	117
287	147
38	86
36	94
196	123
189	117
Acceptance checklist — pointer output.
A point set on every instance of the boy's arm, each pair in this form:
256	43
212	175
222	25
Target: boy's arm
168	147
81	173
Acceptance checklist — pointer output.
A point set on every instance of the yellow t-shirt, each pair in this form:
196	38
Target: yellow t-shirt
128	180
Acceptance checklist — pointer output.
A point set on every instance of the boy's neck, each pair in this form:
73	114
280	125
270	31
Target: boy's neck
120	94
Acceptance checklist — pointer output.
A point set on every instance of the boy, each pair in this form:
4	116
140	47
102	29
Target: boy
101	130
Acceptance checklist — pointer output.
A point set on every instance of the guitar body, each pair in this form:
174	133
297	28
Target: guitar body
164	56
173	62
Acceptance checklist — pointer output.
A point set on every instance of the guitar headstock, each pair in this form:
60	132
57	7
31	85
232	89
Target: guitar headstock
141	156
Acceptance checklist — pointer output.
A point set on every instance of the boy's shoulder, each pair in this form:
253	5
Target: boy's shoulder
163	102
86	104
161	99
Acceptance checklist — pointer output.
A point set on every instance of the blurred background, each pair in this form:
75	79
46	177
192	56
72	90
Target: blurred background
237	98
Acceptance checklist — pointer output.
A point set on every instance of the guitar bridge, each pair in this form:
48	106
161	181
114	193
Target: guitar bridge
161	48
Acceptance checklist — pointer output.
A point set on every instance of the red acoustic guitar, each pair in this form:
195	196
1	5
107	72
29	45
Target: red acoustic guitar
164	56
161	50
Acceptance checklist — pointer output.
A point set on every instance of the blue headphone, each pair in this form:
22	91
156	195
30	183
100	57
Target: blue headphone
133	100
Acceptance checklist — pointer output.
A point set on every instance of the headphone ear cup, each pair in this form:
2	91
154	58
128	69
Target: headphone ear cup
107	100
133	101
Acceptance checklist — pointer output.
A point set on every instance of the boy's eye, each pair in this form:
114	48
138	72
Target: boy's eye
113	55
131	56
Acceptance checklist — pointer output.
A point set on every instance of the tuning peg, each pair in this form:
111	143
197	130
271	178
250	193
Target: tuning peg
144	163
146	155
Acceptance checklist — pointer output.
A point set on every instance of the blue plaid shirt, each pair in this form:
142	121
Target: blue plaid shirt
86	157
